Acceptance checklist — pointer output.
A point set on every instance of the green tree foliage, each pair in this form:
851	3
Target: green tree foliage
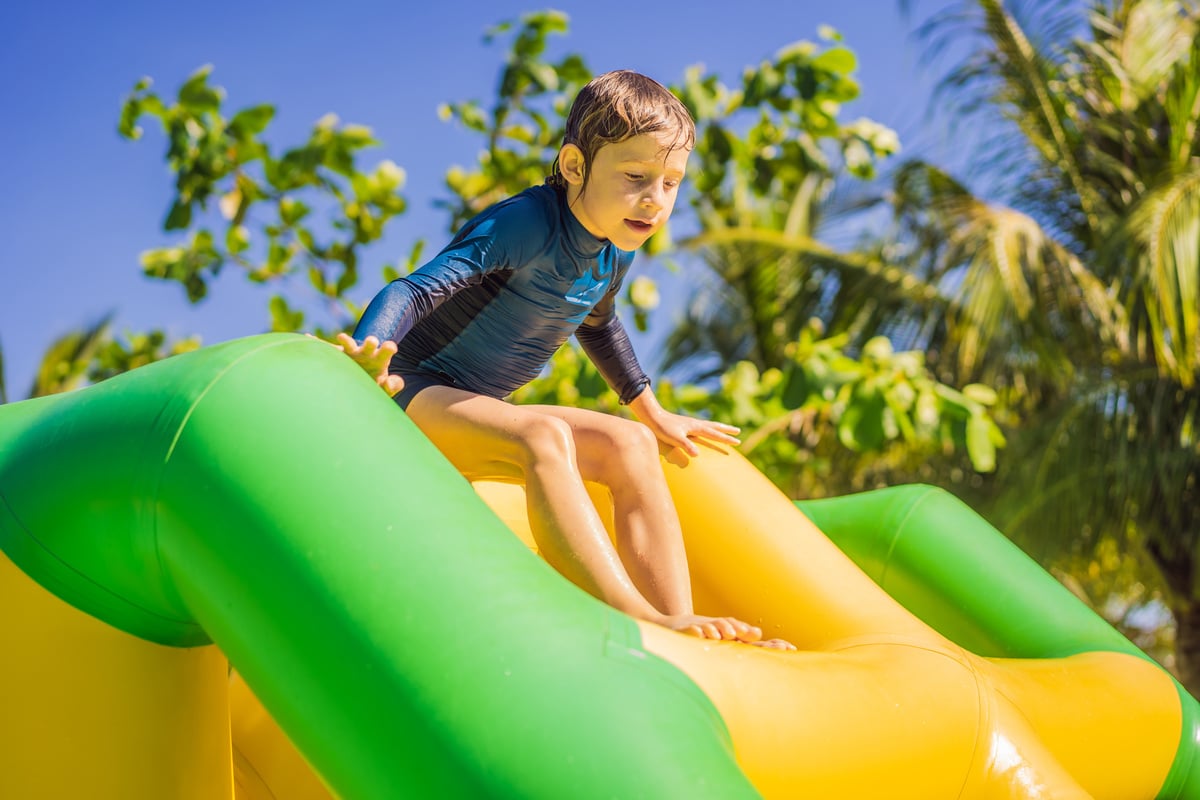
825	423
524	126
770	152
309	210
1073	287
93	353
66	362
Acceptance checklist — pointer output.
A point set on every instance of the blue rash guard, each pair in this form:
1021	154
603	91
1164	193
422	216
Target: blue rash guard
490	309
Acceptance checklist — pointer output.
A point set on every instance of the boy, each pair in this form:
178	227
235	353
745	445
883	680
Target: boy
485	315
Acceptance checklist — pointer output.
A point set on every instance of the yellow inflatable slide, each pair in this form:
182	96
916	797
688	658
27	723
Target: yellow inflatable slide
199	604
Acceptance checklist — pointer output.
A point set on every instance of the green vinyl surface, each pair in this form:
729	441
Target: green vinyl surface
266	496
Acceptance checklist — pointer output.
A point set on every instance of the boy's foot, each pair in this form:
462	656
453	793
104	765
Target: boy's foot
727	628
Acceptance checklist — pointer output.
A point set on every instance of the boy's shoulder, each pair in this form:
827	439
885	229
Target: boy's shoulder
527	212
541	202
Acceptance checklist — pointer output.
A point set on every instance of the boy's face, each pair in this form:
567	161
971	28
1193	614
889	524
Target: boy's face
631	190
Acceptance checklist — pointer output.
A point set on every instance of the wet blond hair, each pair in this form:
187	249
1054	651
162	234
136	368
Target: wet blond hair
619	105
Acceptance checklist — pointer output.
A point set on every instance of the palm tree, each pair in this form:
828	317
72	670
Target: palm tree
1072	285
1078	290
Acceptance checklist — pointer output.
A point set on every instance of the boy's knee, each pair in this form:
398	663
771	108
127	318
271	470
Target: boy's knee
635	442
547	439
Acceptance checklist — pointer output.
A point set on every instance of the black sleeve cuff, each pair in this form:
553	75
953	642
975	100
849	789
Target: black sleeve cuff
609	348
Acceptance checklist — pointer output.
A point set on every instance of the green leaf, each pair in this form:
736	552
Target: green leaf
544	75
127	125
837	59
878	349
980	447
237	239
979	393
317	278
179	217
357	136
283	317
491	33
291	210
796	387
251	121
157	263
197	96
861	426
414	255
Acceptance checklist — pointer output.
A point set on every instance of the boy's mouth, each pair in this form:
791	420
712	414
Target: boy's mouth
641	226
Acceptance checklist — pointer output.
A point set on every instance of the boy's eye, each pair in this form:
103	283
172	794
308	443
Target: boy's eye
633	176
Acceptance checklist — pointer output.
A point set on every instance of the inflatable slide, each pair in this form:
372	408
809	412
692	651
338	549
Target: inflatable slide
243	573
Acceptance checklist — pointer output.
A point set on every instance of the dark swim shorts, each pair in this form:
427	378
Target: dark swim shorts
414	382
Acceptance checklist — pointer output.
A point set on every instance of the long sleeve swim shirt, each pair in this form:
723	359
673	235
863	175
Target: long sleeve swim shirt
490	309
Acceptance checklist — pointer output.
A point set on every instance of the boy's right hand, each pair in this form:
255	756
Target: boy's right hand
374	358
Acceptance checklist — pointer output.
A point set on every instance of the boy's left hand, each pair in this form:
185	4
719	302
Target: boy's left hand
677	430
680	431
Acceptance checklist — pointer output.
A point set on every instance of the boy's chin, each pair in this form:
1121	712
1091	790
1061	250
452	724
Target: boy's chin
631	239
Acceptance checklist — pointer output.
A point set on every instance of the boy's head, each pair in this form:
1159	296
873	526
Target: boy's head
621	104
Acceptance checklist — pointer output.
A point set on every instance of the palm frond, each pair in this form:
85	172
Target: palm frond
1159	246
1016	74
891	277
1030	97
1142	47
1012	287
64	364
1182	106
1123	448
764	286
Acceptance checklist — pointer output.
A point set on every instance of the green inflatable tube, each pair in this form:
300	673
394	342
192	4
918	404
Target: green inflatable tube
950	567
266	496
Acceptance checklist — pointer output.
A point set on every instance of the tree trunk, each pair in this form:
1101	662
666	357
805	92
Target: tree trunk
1187	645
1178	569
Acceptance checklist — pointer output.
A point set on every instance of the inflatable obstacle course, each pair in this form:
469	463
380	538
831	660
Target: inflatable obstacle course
261	504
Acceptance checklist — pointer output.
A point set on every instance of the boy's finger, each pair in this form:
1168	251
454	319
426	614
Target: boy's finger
393	384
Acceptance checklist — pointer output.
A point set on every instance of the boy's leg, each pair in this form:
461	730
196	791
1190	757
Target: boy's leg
624	456
488	438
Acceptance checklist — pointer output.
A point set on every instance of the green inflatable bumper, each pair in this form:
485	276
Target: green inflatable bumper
266	496
947	565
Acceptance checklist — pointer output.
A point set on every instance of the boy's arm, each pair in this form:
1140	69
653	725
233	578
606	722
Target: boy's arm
498	239
677	430
608	346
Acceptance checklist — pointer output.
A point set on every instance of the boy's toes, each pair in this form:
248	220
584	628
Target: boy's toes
775	644
747	632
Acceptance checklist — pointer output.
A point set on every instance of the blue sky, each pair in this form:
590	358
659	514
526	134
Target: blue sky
78	204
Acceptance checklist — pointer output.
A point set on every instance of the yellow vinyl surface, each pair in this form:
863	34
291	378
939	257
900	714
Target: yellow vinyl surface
93	713
876	703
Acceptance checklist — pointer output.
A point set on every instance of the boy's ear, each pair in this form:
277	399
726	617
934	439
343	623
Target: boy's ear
570	164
